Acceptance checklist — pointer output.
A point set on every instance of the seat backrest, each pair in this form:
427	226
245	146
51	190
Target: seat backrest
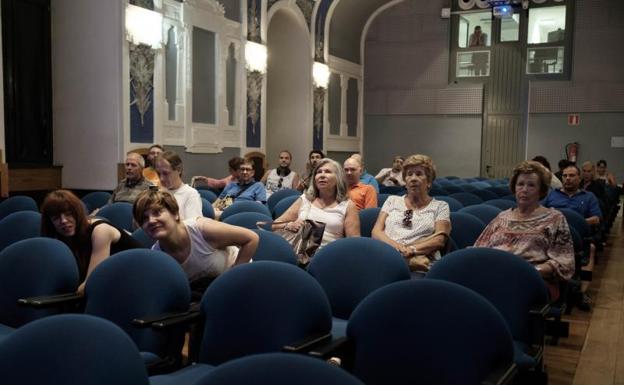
467	187
381	199
143	238
283	205
480	184
70	349
437	191
485	194
17	203
139	283
577	221
510	283
207	209
392	190
501	190
465	229
349	269
279	195
244	207
272	247
502	204
95	200
31	268
454	204
482	211
248	220
368	217
19	225
427	332
119	214
278	369
467	199
453	188
207	195
260	307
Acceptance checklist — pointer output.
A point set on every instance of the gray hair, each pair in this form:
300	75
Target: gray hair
139	158
341	185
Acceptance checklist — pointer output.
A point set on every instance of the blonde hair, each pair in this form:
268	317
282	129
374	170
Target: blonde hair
341	185
424	161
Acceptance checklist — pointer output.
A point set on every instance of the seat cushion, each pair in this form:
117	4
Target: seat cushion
339	328
6	331
522	359
188	376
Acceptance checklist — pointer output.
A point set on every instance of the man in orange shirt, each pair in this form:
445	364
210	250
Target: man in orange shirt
363	195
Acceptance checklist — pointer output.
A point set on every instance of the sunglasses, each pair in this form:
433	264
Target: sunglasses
407	217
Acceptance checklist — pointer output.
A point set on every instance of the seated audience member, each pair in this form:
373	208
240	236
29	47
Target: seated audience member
203	247
134	182
245	189
563	163
325	201
538	234
583	202
91	240
313	158
219	184
554	181
281	177
416	224
366	178
150	172
603	175
392	176
363	195
589	183
169	166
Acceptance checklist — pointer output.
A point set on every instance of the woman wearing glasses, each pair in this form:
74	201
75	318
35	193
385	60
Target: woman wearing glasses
416	224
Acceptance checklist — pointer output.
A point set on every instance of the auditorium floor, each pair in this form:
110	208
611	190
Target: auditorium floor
593	354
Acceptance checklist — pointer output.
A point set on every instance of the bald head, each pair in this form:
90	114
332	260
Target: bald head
353	170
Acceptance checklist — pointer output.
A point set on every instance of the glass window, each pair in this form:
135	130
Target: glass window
546	24
475	29
510	28
545	60
473	64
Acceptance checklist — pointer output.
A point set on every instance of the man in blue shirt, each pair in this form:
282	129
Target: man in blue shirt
246	188
583	202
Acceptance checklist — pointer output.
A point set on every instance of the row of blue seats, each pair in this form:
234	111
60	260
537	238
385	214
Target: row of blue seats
265	305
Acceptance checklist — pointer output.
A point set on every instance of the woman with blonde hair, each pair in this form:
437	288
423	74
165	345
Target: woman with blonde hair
416	224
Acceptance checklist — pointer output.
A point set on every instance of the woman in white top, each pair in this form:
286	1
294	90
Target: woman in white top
169	168
203	247
416	224
326	201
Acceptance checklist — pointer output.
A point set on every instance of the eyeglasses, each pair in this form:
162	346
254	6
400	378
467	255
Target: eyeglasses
245	169
407	218
279	183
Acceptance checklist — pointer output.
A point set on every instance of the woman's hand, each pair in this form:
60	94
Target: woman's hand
81	289
419	263
293	226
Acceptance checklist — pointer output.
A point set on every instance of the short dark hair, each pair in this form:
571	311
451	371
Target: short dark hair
156	146
531	167
235	162
152	198
578	170
542	160
316	152
563	163
601	162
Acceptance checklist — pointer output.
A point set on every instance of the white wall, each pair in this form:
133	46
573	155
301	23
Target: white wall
87	42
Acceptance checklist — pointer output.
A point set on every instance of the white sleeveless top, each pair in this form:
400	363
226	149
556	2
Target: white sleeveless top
204	260
333	217
273	181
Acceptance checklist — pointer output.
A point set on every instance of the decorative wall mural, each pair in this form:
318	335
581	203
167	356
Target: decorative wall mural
319	37
254	19
306	6
254	103
141	95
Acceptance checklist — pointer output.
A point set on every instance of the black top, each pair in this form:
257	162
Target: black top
125	242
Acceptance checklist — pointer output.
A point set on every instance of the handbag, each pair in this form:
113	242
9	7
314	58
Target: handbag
305	241
223	203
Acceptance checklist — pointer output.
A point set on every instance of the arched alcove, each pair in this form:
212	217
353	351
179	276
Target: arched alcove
288	105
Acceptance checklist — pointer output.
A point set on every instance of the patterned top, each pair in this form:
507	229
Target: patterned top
422	223
544	237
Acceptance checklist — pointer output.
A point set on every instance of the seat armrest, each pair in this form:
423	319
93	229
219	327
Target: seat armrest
189	317
51	300
537	319
501	376
307	343
149	321
342	348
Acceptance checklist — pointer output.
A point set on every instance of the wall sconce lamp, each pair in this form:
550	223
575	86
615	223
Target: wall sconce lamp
143	26
320	76
256	64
